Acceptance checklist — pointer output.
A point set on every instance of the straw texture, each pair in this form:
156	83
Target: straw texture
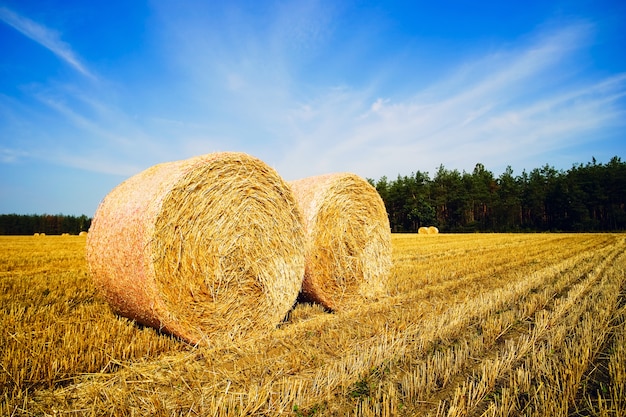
203	248
348	250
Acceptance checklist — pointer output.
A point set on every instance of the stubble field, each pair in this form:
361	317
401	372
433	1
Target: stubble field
472	325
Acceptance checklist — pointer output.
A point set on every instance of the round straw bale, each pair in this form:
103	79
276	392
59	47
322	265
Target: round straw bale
432	230
36	234
83	233
348	251
203	248
422	230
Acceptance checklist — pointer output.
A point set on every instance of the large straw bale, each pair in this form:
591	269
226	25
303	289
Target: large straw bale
205	248
348	239
422	230
432	230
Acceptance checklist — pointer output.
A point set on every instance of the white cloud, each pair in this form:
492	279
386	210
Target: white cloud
8	155
234	87
95	162
47	38
499	109
86	124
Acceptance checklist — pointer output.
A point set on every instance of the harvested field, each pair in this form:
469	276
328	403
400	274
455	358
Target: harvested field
472	325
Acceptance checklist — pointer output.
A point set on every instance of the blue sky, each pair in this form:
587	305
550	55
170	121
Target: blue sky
94	92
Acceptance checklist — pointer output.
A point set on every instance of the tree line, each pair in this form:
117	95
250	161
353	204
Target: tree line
589	197
50	224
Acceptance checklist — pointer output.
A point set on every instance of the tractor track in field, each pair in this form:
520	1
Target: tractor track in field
519	323
454	336
517	341
597	380
449	336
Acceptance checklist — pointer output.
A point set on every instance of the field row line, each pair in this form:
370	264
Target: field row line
426	372
574	325
422	338
504	314
496	272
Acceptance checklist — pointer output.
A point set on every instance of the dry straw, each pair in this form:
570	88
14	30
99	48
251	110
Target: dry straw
432	230
83	233
348	239
206	248
422	230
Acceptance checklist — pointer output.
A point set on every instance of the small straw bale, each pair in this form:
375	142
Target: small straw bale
209	248
83	233
36	234
422	230
348	249
432	230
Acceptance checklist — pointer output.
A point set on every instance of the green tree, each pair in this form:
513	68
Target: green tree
450	199
507	206
482	194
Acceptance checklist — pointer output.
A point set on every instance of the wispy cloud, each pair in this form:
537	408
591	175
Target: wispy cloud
260	89
310	87
46	37
499	109
8	155
100	137
230	86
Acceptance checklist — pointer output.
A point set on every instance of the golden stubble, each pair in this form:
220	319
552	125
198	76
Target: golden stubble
491	324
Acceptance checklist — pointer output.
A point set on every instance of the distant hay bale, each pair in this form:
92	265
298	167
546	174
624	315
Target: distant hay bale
432	230
83	233
65	234
422	230
348	239
36	234
204	248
